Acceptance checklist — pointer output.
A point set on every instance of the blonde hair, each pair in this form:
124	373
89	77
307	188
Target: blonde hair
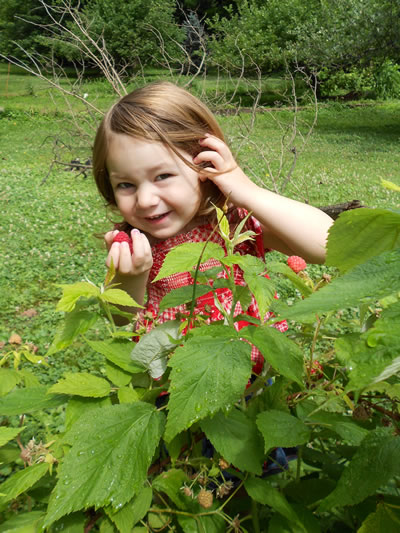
163	112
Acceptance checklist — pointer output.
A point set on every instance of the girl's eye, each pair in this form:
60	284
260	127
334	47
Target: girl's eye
125	186
162	177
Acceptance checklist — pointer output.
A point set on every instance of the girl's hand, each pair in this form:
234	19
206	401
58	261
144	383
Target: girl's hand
233	182
125	263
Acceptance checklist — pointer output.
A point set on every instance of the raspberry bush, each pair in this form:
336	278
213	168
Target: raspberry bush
178	435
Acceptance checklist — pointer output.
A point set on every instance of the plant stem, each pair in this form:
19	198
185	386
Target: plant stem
254	516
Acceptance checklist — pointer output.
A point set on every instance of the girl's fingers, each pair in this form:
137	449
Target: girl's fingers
113	254
142	257
109	236
214	158
215	144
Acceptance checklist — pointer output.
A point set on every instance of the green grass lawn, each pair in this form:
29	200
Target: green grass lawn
49	222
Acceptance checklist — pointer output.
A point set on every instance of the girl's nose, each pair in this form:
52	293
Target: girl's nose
146	196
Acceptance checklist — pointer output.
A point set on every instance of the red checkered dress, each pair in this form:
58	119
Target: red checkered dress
156	291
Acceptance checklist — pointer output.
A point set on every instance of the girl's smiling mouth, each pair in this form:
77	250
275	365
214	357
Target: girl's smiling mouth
157	218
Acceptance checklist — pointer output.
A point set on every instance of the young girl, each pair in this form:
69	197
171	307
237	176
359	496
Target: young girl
160	158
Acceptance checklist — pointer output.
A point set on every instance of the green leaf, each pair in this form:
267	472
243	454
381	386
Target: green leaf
350	237
209	373
116	375
384	519
127	395
7	434
307	522
22	401
118	297
118	351
21	481
281	429
30	379
182	295
132	512
153	348
282	268
223	223
112	449
237	439
390	185
170	483
247	263
184	257
376	278
376	461
82	384
263	492
23	523
77	406
72	293
263	290
73	523
8	379
343	425
282	354
74	324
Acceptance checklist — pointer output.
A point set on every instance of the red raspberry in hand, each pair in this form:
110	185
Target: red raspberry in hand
121	236
296	263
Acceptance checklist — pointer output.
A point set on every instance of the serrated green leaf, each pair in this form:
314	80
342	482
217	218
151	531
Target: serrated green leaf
132	512
127	395
263	290
343	425
247	263
72	293
307	522
23	523
74	324
281	429
22	401
170	483
384	519
182	295
7	434
209	373
152	350
237	439
376	278
116	375
8	379
263	492
184	257
117	351
21	481
375	462
282	354
77	406
118	297
112	449
81	384
350	237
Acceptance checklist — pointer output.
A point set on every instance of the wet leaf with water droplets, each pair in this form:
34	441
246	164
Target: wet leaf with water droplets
111	470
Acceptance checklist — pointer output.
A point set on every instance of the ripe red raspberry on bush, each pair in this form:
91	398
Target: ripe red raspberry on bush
296	263
317	370
121	236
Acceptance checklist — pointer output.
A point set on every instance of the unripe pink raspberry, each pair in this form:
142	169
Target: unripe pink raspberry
121	236
296	263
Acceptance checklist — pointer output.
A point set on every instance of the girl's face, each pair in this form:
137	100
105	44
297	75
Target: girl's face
155	191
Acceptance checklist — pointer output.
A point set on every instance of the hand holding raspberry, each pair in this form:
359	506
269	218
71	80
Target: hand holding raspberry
121	236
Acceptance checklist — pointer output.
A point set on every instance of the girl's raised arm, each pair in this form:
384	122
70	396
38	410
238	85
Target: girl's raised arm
289	226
